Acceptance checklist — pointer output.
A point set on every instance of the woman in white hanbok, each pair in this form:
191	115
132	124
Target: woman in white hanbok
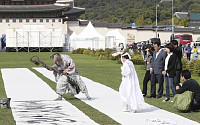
130	93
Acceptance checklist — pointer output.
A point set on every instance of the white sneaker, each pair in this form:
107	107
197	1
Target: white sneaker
167	99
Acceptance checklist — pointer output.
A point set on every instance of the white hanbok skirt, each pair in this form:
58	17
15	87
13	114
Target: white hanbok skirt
130	93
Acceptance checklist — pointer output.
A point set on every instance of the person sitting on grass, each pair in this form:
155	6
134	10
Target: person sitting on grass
190	85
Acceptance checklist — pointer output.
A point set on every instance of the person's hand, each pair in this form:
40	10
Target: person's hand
164	72
177	87
151	71
64	72
180	84
167	42
51	68
148	63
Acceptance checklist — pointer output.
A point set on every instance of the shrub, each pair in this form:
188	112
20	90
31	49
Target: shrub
78	51
74	51
138	62
101	55
97	53
136	57
193	66
184	64
108	53
87	51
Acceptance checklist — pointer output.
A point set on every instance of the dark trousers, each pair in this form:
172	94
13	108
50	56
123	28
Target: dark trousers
146	79
188	56
195	105
160	79
177	78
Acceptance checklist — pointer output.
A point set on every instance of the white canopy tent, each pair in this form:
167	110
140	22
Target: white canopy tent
90	38
114	39
72	40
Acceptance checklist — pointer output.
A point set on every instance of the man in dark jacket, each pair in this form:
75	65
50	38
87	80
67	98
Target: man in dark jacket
157	66
178	65
190	85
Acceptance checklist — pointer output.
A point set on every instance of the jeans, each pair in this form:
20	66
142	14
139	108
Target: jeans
169	82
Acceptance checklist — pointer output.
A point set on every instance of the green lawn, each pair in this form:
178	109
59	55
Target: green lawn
103	71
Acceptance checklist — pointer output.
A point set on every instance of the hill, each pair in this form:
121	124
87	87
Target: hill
142	12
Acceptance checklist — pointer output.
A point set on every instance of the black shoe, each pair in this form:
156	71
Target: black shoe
159	96
151	96
144	95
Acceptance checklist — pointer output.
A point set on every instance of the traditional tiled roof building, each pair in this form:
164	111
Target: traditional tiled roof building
194	19
36	25
39	9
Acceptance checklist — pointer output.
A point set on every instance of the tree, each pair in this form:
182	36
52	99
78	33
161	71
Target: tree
141	11
148	21
140	20
184	22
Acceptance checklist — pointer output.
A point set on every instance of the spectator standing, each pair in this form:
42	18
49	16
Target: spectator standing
157	66
195	53
178	64
189	50
147	76
144	47
169	71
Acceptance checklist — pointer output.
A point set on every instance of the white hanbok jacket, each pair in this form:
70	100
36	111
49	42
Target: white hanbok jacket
129	90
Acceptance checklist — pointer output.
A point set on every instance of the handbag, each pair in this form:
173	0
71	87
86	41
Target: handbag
183	101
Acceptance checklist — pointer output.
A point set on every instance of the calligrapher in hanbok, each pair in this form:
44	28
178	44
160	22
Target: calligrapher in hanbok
68	78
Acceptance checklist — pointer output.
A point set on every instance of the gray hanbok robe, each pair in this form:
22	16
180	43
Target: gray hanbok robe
63	84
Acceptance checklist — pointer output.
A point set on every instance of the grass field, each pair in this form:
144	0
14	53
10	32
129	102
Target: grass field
103	71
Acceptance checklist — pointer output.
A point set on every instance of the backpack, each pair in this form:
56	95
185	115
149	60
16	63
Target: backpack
183	101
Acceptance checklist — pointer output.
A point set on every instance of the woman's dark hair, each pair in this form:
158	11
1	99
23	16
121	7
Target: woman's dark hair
186	74
126	56
170	46
175	42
